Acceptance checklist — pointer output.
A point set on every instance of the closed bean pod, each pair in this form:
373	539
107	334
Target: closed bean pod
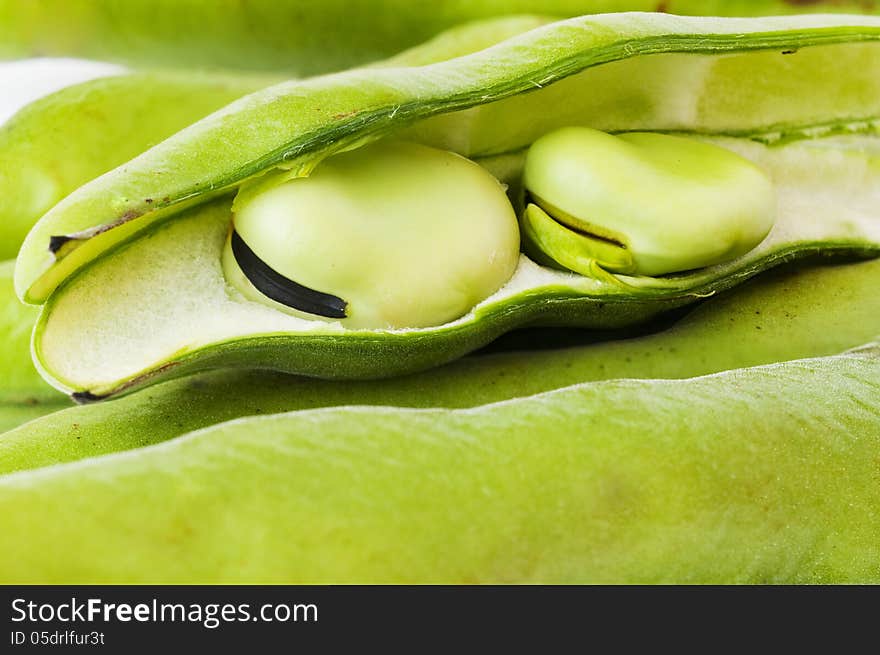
169	310
298	36
761	475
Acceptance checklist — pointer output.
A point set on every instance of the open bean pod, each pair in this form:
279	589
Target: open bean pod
130	268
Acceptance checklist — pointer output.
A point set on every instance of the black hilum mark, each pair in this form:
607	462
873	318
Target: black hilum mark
273	285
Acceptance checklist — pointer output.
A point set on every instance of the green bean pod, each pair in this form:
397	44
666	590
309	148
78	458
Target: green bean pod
785	314
102	123
24	395
760	475
101	131
301	37
156	226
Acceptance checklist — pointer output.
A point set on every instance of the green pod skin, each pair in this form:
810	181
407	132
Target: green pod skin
99	132
297	36
183	329
24	395
786	314
759	475
400	235
321	116
642	203
477	106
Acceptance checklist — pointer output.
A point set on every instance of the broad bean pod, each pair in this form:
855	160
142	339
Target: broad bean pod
814	78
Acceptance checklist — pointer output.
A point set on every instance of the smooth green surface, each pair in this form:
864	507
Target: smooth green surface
753	475
761	475
832	87
817	76
107	121
786	314
160	307
670	203
405	235
101	124
23	393
301	36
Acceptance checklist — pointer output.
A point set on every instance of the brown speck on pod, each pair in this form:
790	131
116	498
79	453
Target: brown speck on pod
84	397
